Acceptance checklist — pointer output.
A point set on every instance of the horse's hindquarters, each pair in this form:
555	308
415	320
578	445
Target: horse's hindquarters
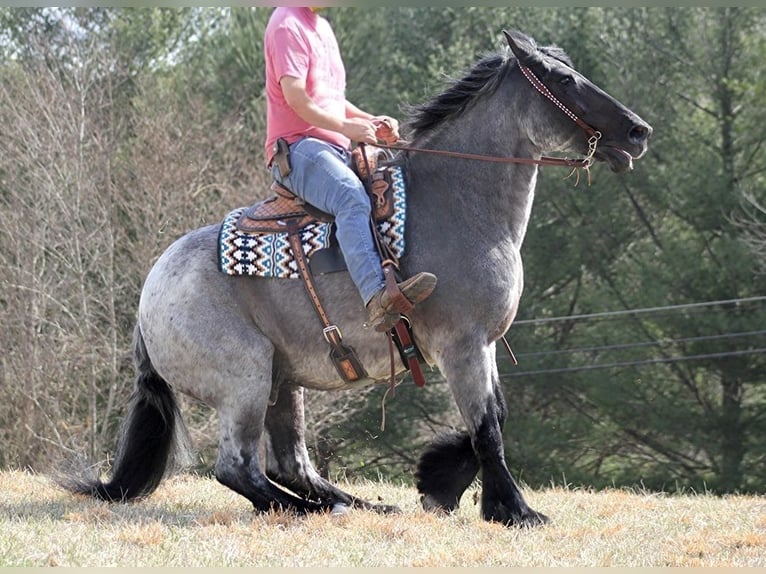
196	334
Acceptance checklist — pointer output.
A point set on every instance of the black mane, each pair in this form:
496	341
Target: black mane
481	80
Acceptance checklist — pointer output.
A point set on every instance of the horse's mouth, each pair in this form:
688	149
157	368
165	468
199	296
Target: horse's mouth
619	160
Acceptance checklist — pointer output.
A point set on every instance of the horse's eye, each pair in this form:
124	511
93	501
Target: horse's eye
566	80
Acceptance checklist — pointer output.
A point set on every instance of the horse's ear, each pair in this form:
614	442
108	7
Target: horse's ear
522	46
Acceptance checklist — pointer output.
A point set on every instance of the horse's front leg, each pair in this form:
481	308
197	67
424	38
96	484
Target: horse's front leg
473	378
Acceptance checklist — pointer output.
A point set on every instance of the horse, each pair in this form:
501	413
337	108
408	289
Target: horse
249	346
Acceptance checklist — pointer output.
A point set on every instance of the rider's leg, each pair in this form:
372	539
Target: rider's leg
322	177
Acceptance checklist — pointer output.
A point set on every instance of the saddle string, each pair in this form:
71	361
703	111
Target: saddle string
510	351
392	386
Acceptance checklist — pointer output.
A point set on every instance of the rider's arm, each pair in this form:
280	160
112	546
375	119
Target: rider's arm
356	128
353	112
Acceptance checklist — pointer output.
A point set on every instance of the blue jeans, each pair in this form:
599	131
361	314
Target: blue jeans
321	176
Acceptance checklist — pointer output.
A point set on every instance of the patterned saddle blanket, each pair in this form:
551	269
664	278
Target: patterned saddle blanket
268	254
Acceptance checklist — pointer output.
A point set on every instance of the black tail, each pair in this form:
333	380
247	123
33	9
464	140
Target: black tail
151	436
446	468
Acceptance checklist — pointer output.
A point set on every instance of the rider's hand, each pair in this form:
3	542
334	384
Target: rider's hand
359	130
386	129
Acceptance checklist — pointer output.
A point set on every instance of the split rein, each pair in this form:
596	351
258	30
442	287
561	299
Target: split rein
576	164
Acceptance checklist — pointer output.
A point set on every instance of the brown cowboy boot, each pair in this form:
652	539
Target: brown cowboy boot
381	313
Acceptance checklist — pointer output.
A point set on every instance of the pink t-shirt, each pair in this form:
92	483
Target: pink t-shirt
301	44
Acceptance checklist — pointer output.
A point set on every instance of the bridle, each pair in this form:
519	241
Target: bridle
593	138
543	89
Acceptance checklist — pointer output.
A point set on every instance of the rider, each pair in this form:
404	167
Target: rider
307	107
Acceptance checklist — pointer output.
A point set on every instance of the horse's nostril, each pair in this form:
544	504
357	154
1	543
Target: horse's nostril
639	133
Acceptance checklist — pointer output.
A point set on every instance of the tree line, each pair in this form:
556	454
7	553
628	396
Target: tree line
640	336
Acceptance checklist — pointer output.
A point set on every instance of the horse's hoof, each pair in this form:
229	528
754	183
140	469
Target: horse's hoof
339	509
521	518
532	519
431	504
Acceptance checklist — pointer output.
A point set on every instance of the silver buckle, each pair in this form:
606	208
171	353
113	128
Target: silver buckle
327	330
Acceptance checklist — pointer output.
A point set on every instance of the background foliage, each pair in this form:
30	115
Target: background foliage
124	128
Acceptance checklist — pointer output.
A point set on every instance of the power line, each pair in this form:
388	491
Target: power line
607	314
657	343
635	363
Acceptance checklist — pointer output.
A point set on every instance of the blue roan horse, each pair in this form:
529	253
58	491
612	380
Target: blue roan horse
247	346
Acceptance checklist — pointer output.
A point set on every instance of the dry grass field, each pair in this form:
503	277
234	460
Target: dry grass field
193	521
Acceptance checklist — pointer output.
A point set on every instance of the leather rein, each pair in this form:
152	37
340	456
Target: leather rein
593	138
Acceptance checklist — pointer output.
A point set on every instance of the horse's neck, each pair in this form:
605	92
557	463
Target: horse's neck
495	198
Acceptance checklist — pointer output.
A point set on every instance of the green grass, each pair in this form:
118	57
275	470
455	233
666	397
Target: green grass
193	521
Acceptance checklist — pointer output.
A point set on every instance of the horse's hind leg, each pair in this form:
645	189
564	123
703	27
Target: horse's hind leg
238	465
287	459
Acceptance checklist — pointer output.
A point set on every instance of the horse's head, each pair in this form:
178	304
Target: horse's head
584	110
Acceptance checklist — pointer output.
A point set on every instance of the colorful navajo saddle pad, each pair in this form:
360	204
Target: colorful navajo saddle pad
270	255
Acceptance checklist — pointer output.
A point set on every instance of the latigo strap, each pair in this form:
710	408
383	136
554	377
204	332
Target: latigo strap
344	357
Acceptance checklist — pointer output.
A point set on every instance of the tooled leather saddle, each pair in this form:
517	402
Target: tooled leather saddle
271	215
